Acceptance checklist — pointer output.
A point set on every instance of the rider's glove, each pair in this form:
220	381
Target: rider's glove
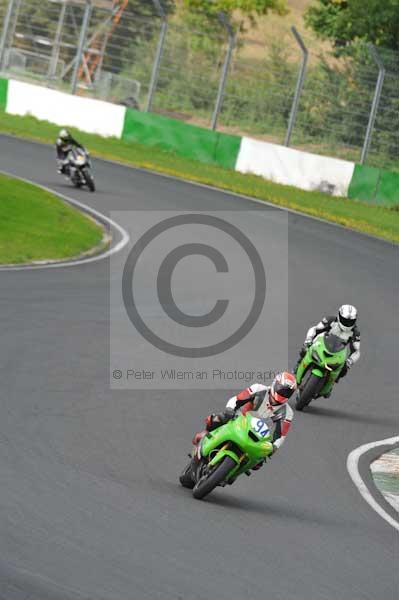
229	413
307	343
276	446
349	363
213	420
209	421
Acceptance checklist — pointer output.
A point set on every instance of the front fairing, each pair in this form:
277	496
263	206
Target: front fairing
78	158
322	361
238	437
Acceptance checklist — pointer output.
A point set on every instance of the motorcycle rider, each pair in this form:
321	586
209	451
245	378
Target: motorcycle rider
343	325
64	144
270	402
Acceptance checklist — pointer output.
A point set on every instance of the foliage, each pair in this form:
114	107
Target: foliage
347	21
260	98
207	11
247	7
350	25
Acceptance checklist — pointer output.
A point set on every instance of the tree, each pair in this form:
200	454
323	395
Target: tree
347	21
250	9
351	25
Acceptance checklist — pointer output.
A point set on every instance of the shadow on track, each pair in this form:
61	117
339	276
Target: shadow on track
68	186
333	413
225	500
275	509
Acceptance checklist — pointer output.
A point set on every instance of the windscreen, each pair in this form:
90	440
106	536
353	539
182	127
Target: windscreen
333	343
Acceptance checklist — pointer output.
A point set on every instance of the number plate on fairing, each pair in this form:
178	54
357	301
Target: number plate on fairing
260	427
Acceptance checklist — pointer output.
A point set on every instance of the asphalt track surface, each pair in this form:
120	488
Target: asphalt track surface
89	501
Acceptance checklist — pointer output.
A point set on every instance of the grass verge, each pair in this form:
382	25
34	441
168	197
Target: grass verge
378	221
36	225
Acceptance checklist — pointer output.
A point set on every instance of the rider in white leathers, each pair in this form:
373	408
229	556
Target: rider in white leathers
343	326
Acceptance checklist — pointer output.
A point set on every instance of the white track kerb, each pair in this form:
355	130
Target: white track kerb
352	465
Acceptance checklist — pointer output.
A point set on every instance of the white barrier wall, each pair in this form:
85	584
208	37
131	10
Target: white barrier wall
92	116
292	167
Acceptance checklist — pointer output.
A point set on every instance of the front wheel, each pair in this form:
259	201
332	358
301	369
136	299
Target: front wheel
208	483
89	180
311	387
76	182
186	478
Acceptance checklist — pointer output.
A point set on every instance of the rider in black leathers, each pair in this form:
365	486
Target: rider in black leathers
64	144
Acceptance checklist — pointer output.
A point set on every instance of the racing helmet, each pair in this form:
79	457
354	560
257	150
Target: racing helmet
282	388
64	135
347	315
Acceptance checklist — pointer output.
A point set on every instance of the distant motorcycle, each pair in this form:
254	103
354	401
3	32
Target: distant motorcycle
79	169
319	368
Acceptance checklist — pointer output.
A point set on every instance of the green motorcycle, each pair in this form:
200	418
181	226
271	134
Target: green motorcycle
319	368
227	452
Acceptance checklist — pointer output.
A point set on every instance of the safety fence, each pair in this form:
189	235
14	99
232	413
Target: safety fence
137	55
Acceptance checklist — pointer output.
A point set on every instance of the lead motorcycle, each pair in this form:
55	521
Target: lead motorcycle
226	453
319	368
79	169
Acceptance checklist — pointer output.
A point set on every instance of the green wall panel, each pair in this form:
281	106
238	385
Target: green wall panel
190	141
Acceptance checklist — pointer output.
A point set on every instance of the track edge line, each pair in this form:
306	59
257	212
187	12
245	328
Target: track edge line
352	465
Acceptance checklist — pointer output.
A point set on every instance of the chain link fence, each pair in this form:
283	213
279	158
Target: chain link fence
282	92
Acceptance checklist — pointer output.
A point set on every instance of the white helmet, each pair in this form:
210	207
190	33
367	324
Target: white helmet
64	135
347	316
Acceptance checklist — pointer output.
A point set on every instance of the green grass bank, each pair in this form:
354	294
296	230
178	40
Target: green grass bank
378	221
36	225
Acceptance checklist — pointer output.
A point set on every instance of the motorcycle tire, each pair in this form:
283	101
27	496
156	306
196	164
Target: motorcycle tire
186	478
89	180
208	483
309	390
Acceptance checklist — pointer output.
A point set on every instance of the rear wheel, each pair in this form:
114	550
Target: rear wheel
89	180
208	483
309	390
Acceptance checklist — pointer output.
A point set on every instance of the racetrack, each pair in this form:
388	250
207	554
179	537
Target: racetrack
89	503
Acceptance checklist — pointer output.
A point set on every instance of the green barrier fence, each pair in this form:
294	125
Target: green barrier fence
375	186
190	141
3	93
364	184
388	190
